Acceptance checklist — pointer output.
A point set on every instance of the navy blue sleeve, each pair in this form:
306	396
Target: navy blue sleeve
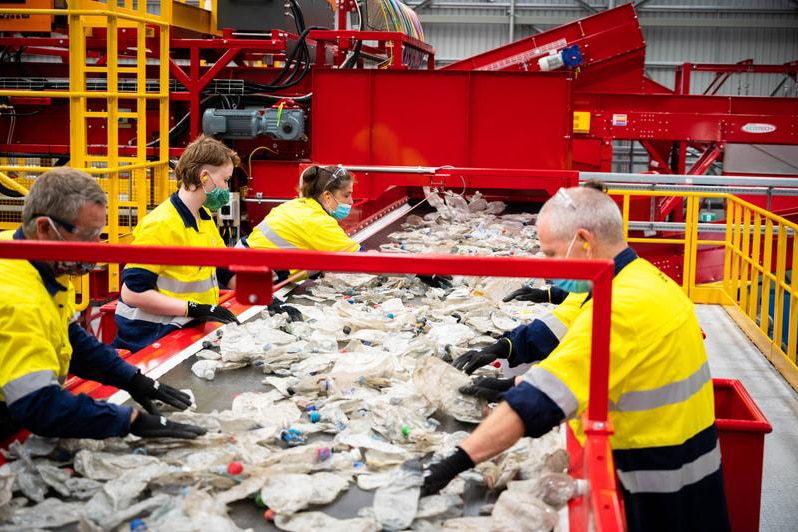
93	360
224	275
531	342
536	409
139	280
557	295
56	413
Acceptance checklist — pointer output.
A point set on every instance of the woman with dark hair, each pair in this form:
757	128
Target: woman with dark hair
311	220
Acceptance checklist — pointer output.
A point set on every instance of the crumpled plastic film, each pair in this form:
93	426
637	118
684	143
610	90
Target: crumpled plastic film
50	513
118	494
287	494
469	524
55	477
439	507
305	521
195	510
27	478
6	485
438	382
396	504
107	466
520	510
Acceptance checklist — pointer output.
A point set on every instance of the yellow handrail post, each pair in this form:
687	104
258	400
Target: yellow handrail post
755	266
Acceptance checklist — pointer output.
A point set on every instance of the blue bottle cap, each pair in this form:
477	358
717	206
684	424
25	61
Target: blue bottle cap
315	417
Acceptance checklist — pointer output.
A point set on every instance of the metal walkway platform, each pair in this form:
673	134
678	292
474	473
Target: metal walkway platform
732	355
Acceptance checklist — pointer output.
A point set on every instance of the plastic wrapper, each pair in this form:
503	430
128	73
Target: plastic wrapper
32	447
287	494
6	488
55	477
119	494
438	382
469	524
83	488
519	510
26	478
396	504
305	521
439	507
107	466
196	510
50	513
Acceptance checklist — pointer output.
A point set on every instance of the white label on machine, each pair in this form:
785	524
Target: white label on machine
524	57
758	128
619	120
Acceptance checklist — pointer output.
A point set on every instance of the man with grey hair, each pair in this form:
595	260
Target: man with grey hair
41	343
665	443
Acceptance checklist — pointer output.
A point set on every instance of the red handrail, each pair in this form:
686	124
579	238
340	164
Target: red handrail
254	265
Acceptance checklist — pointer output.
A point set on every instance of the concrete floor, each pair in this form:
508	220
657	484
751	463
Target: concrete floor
732	355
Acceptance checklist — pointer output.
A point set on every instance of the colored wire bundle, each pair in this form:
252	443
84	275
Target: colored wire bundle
396	16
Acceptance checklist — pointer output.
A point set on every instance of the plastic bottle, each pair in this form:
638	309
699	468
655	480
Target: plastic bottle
138	525
556	489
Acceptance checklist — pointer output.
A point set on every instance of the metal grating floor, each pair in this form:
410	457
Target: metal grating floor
732	355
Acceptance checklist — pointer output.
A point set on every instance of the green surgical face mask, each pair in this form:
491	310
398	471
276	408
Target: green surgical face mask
216	198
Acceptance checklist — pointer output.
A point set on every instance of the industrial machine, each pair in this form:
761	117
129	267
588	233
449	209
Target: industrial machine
354	82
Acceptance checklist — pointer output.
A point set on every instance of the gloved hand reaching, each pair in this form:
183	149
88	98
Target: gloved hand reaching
439	474
527	293
487	388
145	390
279	307
201	312
436	281
552	294
476	358
149	426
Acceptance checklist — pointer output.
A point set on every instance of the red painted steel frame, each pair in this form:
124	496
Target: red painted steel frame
340	41
599	471
433	118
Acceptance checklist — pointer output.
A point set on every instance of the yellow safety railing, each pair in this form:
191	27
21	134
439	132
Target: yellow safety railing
132	182
759	288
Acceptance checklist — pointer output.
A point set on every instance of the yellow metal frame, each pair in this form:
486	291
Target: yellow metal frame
755	261
147	180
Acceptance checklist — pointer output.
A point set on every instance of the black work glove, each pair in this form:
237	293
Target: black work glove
149	426
439	474
144	390
487	388
527	293
476	358
436	281
552	294
279	307
201	312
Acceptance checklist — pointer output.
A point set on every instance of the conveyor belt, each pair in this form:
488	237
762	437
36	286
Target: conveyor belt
219	394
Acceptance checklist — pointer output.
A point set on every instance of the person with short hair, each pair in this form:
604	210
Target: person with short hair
158	299
41	341
665	443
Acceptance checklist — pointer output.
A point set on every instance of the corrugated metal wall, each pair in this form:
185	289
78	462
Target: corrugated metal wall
676	31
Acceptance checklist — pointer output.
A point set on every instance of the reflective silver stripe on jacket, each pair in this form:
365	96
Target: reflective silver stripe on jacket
273	237
554	324
669	394
671	480
133	313
557	391
186	287
22	386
